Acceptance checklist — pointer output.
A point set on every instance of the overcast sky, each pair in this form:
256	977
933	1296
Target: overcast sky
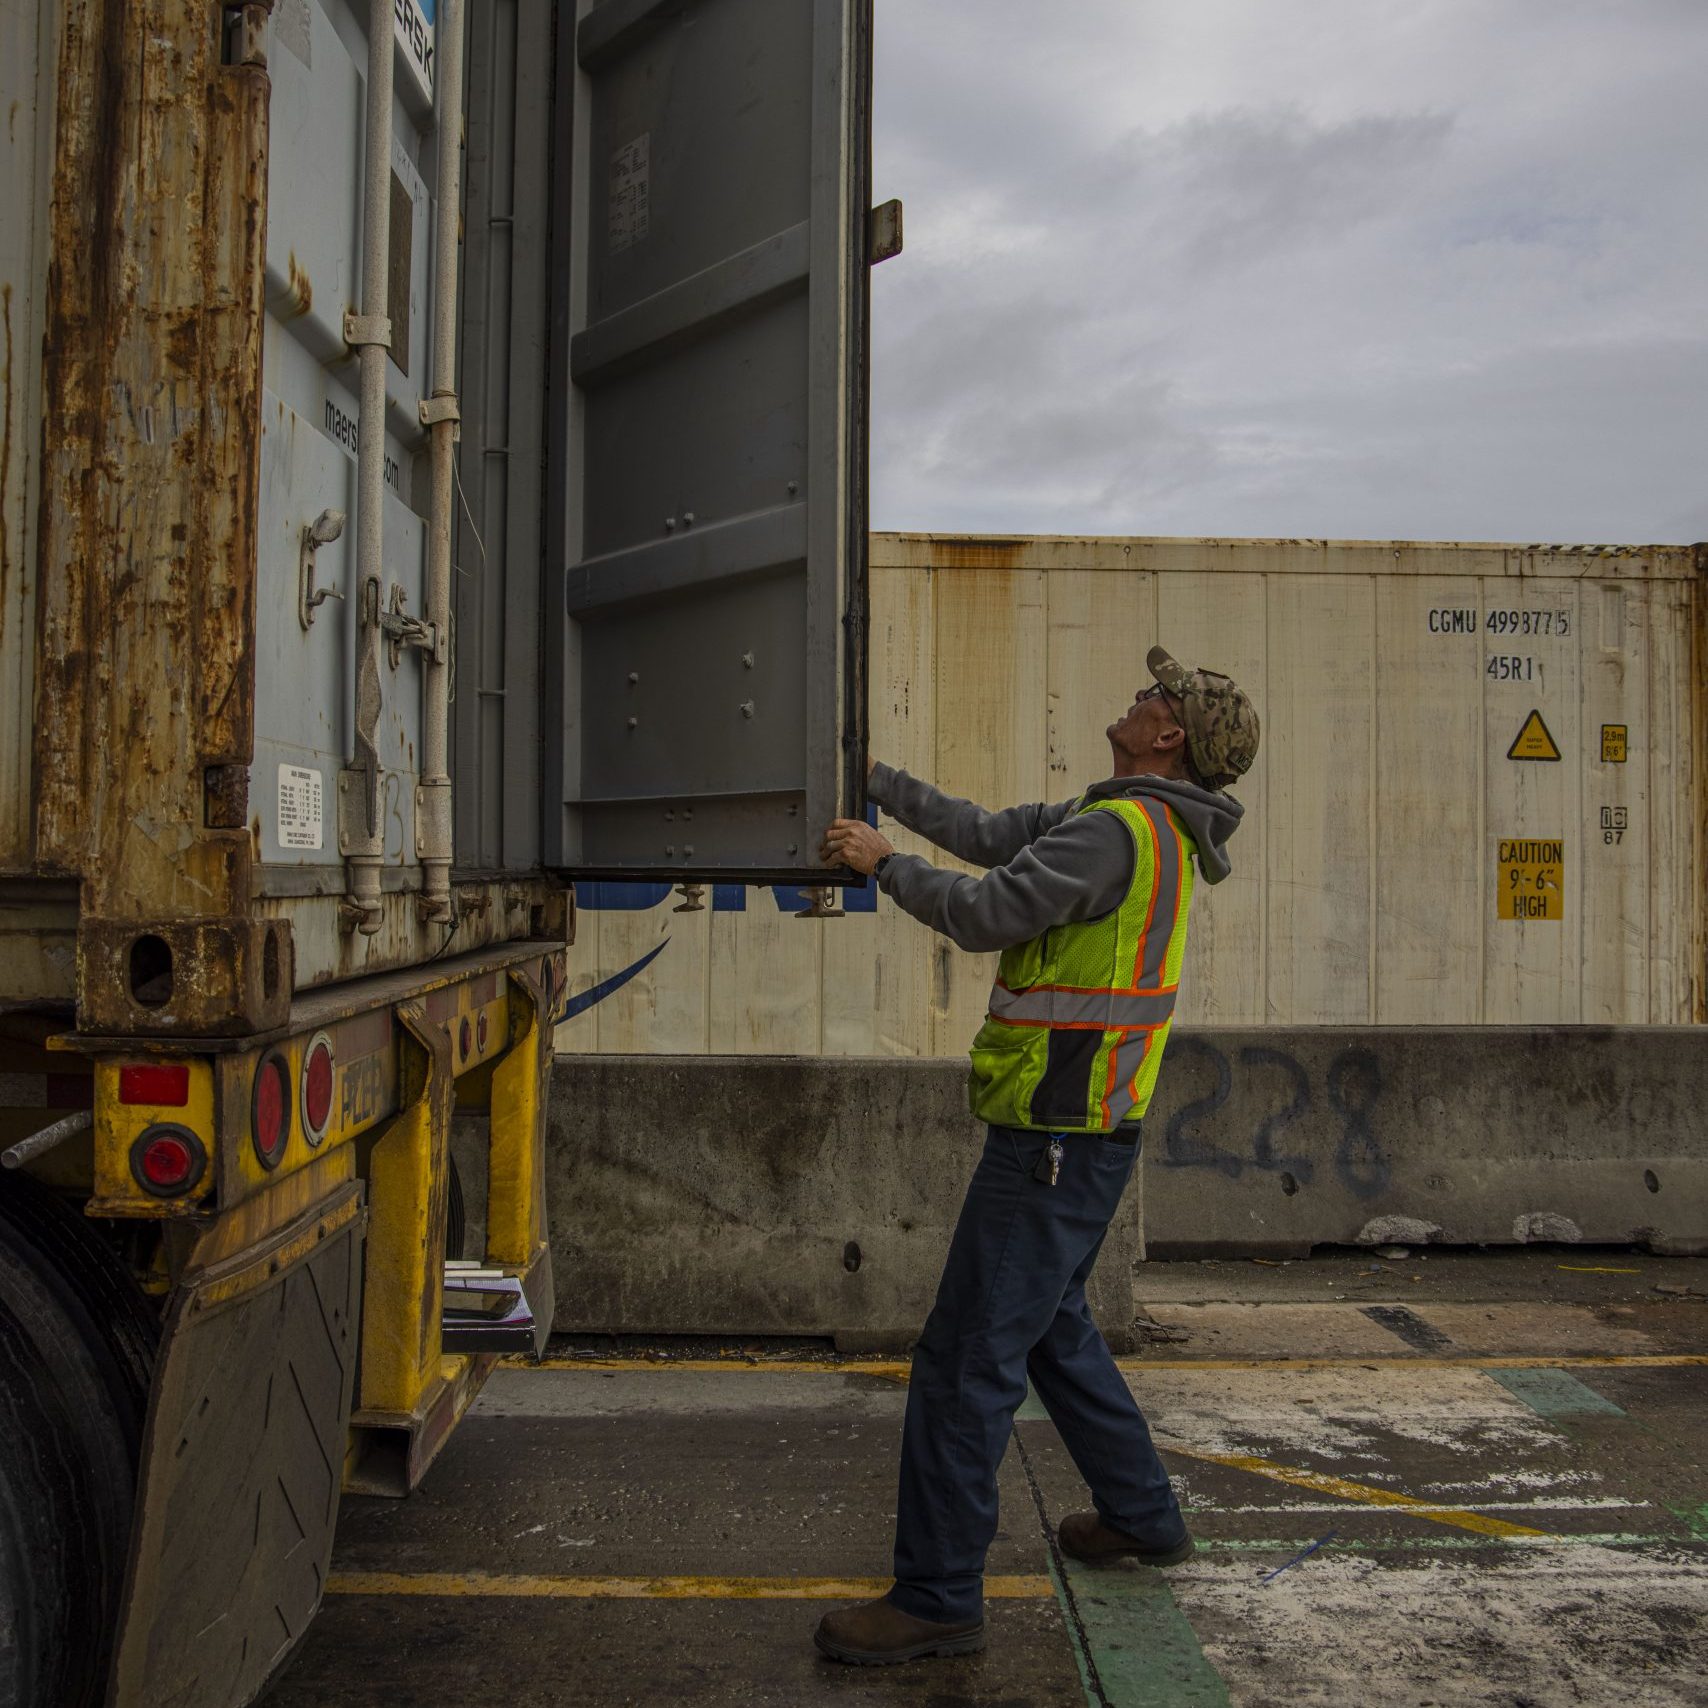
1354	268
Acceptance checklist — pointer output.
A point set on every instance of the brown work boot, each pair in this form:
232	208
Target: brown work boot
877	1633
1086	1537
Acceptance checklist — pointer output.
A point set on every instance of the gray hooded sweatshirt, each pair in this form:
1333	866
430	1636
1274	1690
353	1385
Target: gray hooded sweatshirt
1046	865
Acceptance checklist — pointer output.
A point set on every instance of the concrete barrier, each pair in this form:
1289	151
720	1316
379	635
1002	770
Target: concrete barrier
1268	1142
765	1195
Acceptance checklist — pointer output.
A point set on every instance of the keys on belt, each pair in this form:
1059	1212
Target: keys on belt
1049	1166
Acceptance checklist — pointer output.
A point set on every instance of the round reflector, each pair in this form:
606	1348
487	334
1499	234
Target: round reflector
270	1109
316	1087
167	1161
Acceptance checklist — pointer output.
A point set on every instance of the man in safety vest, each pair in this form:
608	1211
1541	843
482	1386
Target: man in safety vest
1088	902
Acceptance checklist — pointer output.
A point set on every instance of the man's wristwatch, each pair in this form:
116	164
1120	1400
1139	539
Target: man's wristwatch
883	861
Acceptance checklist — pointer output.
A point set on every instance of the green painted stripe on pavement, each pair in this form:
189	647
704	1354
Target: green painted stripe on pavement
1696	1517
1143	1647
1094	1697
1555	1393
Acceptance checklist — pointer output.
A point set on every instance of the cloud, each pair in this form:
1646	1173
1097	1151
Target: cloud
1446	285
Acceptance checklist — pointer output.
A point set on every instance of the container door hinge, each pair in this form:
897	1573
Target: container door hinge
360	833
243	37
883	232
432	818
437	409
361	330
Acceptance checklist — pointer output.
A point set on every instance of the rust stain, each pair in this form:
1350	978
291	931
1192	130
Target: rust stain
299	289
6	457
181	343
1699	827
150	488
978	554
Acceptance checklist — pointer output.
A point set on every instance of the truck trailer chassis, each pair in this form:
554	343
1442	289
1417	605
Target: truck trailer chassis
298	1343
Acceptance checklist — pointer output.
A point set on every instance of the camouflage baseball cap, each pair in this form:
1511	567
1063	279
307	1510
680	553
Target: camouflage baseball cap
1217	715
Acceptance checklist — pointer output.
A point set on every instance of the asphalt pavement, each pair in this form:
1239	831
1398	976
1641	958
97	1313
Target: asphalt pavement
1485	1485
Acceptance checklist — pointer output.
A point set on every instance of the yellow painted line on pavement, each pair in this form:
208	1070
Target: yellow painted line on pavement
523	1586
886	1367
893	1368
1320	1482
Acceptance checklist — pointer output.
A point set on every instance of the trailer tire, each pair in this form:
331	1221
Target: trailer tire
76	1352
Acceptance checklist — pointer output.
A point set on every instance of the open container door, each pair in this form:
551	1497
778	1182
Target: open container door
712	419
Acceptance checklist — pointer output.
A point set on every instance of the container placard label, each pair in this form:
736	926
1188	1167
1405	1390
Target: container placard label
1531	881
301	808
1613	743
1533	741
631	187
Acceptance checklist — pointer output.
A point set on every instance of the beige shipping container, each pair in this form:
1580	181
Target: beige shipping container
1477	800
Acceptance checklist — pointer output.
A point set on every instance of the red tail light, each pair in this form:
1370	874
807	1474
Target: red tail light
165	1085
270	1109
168	1162
317	1088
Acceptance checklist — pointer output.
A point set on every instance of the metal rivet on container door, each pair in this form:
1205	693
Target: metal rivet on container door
794	487
747	660
747	708
687	850
791	848
634	677
669	849
670	524
687	518
634	723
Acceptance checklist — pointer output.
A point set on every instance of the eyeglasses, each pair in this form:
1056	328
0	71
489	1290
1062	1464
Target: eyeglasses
1156	691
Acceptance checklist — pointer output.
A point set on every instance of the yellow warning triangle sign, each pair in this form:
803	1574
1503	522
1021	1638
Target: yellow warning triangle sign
1533	741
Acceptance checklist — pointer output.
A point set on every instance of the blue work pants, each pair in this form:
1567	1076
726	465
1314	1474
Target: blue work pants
1011	1304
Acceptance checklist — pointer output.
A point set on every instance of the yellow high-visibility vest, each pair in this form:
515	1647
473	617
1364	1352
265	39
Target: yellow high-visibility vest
1079	1016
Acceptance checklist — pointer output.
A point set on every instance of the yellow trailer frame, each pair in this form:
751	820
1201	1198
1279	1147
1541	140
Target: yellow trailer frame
282	1337
409	1049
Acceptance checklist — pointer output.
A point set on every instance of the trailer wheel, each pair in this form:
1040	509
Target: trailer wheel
76	1350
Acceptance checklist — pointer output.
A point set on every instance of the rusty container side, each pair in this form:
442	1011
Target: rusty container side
27	42
175	412
151	392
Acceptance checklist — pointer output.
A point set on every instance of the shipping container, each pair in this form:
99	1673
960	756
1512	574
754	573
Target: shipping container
680	454
432	467
1478	799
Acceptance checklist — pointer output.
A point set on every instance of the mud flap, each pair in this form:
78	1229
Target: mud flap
242	1463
